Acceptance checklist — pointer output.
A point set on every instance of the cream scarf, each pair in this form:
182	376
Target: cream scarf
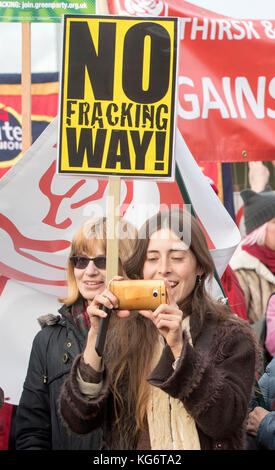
170	426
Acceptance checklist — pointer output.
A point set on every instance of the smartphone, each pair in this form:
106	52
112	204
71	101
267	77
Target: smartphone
142	294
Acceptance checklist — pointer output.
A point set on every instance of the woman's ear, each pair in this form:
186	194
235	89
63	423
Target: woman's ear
199	271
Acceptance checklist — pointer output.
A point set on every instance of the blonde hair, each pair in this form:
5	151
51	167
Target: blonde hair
92	232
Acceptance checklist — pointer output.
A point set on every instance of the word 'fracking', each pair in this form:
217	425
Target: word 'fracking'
122	115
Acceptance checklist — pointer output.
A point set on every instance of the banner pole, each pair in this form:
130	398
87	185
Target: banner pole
113	205
26	87
102	7
112	252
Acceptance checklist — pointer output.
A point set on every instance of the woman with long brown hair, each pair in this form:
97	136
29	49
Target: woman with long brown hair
179	377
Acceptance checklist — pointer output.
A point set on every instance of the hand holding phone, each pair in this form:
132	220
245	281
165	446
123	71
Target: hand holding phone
139	294
132	295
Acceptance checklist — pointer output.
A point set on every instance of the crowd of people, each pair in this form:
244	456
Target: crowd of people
254	266
172	369
165	376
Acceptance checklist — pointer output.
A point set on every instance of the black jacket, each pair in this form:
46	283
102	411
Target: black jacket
38	425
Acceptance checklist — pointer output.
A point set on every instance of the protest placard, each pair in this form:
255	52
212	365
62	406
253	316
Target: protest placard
118	95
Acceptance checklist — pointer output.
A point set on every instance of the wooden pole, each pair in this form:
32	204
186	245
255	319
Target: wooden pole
113	211
102	7
112	252
26	87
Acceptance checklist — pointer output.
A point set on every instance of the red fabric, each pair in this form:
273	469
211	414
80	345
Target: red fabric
3	282
264	254
234	293
225	103
5	425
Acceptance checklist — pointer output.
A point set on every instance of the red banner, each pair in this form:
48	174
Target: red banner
226	80
44	103
44	90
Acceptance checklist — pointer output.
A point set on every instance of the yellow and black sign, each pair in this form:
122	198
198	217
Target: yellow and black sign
117	98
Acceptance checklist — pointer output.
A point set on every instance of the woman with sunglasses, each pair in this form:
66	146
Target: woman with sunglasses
180	377
62	338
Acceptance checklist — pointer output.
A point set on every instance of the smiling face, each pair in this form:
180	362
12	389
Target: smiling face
91	280
169	258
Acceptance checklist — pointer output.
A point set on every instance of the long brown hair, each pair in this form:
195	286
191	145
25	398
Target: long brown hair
130	346
131	342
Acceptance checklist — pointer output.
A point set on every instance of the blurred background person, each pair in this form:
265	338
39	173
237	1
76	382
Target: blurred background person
261	419
270	326
254	260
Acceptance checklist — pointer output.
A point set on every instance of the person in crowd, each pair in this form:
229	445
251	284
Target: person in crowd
179	377
258	176
231	285
254	259
265	331
261	419
63	336
1	397
270	326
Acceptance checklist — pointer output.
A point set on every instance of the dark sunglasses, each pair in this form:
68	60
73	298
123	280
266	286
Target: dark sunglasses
81	262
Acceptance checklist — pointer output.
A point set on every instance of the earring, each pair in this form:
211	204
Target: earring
199	280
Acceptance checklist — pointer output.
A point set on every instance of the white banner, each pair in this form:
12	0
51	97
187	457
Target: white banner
40	211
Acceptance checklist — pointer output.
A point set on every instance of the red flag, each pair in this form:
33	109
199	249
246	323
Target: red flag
226	80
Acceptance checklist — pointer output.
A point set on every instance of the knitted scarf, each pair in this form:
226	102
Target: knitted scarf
80	316
264	254
170	426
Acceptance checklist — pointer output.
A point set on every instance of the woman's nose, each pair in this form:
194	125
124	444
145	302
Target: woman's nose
91	268
164	266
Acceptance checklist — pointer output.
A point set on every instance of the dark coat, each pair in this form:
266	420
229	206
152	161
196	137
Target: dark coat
38	425
214	379
265	437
